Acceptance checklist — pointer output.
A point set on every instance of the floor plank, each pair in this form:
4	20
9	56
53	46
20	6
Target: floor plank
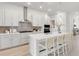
75	49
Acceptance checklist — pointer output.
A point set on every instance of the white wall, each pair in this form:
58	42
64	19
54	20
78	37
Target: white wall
10	14
76	18
38	18
69	22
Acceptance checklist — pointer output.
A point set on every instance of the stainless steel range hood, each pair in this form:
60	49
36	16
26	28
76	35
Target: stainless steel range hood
25	26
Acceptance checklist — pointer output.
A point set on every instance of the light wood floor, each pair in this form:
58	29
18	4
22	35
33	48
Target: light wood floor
75	49
17	51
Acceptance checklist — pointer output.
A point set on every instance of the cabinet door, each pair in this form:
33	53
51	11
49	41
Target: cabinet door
8	15
1	15
15	39
0	42
24	38
20	14
15	16
11	15
5	41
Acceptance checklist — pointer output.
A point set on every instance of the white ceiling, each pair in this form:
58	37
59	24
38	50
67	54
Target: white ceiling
54	6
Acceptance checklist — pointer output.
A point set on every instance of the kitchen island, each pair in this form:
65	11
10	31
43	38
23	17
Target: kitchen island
57	44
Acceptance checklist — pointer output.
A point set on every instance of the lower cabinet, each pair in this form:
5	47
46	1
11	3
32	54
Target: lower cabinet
24	38
15	39
13	44
11	40
5	41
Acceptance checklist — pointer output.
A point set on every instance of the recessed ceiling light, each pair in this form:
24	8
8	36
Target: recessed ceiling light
40	7
29	3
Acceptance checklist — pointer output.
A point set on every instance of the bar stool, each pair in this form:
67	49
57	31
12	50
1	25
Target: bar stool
55	46
68	39
60	45
42	47
50	46
65	42
72	38
71	41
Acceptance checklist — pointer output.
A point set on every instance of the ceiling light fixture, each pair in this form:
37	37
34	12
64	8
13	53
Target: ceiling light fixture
40	7
29	3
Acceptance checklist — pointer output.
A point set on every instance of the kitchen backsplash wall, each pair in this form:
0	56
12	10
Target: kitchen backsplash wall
4	29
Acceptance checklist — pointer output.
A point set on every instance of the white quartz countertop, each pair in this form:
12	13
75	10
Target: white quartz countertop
44	35
35	34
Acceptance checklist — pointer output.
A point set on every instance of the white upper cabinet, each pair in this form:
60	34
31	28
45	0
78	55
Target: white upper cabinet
1	15
36	17
10	14
20	13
